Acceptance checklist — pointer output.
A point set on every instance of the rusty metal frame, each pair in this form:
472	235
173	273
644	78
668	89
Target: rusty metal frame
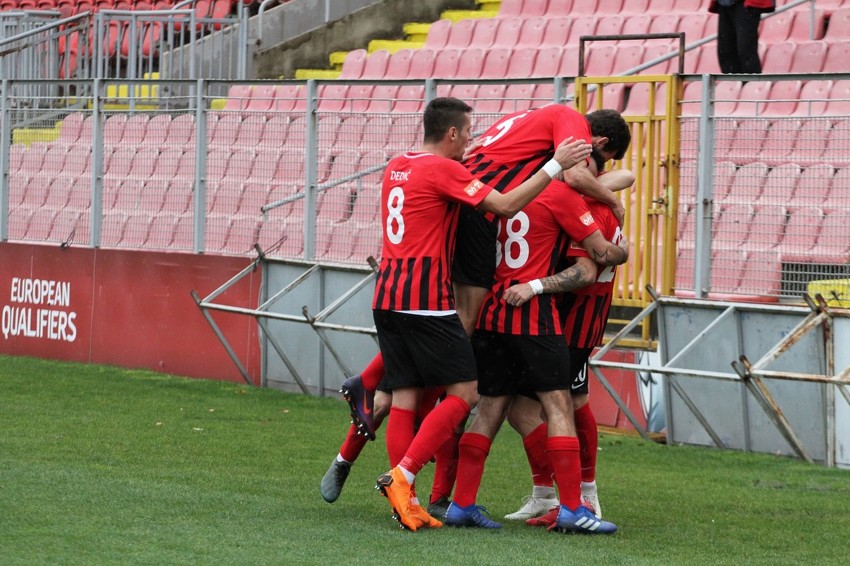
750	374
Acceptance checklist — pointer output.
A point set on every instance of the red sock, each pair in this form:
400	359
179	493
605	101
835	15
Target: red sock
445	471
473	449
428	401
373	373
437	427
563	453
352	445
399	434
535	451
588	438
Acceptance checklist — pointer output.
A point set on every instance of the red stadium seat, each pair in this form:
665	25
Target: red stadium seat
801	231
814	186
839	25
509	32
584	7
837	57
610	25
352	65
532	8
778	57
752	98
776	27
801	27
557	8
460	34
422	64
613	6
556	31
485	32
809	57
521	62
438	34
779	185
783	97
582	25
531	34
496	63
398	66
447	61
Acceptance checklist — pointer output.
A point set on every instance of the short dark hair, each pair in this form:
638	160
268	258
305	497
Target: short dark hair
607	123
441	114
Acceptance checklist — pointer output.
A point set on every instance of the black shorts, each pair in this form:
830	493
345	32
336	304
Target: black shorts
474	261
423	351
509	364
578	370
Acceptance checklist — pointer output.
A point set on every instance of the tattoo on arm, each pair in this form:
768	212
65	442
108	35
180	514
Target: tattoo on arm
608	258
567	280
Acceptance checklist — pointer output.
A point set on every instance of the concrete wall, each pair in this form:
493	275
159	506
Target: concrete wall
302	34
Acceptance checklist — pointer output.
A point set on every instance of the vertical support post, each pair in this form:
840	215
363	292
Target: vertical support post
311	171
705	184
5	143
96	220
200	209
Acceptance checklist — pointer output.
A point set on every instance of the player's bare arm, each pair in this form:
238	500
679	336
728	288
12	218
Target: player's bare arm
580	274
567	154
604	252
583	179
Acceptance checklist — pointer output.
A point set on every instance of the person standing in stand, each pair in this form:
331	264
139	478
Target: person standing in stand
738	33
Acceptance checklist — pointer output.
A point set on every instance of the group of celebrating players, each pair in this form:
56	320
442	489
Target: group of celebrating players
492	291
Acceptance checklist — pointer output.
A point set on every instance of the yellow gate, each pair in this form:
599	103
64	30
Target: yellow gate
651	206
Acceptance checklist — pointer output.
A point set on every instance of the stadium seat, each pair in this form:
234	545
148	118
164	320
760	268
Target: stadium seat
747	184
178	197
809	57
460	34
510	8
600	59
664	22
521	62
531	8
509	32
767	227
732	226
333	97
152	196
438	34
496	63
727	268
223	128
144	162
548	62
762	275
694	26
801	231
556	31
609	25
242	235
517	97
780	183
777	147
485	33
120	163
531	34
814	186
813	98
839	99
832	240
837	57
352	65
568	65
611	6
839	25
471	62
636	22
707	61
253	130
490	98
398	67
801	27
411	99
71	126
782	98
447	62
289	97
261	100
778	57
626	57
776	27
78	161
181	131
752	99
422	64
582	25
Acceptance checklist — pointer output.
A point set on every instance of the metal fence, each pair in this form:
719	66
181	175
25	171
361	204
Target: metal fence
763	201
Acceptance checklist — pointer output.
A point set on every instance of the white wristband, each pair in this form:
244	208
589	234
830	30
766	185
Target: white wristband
552	168
536	286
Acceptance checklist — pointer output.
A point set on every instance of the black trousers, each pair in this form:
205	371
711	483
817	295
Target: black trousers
738	39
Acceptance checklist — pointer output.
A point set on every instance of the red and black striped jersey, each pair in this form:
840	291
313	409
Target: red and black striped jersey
419	206
517	145
529	246
584	312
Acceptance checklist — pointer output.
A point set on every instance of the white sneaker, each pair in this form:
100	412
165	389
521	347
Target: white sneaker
533	507
590	499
